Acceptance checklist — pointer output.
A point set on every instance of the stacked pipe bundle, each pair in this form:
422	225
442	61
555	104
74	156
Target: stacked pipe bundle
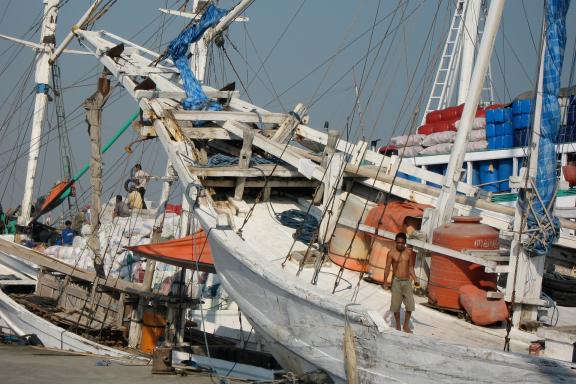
521	110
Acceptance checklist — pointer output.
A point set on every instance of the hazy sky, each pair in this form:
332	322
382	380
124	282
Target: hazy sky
320	52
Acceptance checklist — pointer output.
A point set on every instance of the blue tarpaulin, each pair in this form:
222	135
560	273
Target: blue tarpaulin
541	216
196	99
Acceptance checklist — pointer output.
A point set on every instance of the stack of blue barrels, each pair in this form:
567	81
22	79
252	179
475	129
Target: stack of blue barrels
499	131
521	110
500	135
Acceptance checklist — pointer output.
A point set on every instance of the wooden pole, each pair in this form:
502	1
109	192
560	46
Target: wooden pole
93	106
244	162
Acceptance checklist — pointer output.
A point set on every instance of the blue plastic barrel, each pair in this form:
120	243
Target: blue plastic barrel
520	137
571	118
489	174
490	130
567	134
408	177
504	172
504	129
437	168
493	142
521	121
521	107
475	174
499	115
490	117
507	141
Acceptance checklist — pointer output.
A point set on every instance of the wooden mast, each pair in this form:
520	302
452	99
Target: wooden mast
42	76
447	197
93	106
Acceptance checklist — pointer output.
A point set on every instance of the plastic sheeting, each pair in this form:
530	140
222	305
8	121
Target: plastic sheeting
196	99
541	214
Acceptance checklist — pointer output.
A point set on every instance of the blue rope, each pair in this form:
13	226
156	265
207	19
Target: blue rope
221	160
304	224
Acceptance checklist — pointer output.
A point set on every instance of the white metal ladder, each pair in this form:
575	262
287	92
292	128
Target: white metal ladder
443	87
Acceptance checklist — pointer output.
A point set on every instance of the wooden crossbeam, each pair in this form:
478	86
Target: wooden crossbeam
264	170
179	95
487	262
56	265
244	161
278	183
245	117
209	133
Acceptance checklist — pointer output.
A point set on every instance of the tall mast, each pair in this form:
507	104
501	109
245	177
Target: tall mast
468	36
448	194
41	77
198	62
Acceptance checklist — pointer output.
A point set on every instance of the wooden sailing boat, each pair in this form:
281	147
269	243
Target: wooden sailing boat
304	323
309	323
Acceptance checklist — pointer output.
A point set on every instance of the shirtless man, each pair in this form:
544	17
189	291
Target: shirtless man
402	264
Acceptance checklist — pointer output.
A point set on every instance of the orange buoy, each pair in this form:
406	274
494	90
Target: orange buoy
448	274
357	260
482	311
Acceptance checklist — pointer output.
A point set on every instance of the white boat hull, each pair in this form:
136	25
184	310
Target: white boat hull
304	328
23	322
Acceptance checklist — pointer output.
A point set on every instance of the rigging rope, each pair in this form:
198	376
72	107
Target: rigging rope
305	224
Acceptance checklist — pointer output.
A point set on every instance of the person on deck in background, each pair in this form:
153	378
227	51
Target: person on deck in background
402	261
68	233
120	208
141	181
135	199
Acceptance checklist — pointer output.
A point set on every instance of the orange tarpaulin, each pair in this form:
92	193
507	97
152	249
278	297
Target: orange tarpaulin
392	217
192	252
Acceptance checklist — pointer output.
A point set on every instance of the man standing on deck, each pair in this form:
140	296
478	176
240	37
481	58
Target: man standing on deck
402	261
141	180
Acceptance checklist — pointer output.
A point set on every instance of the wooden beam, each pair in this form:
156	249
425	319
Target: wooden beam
56	265
223	146
290	122
279	183
421	244
245	117
244	161
179	95
264	170
209	133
